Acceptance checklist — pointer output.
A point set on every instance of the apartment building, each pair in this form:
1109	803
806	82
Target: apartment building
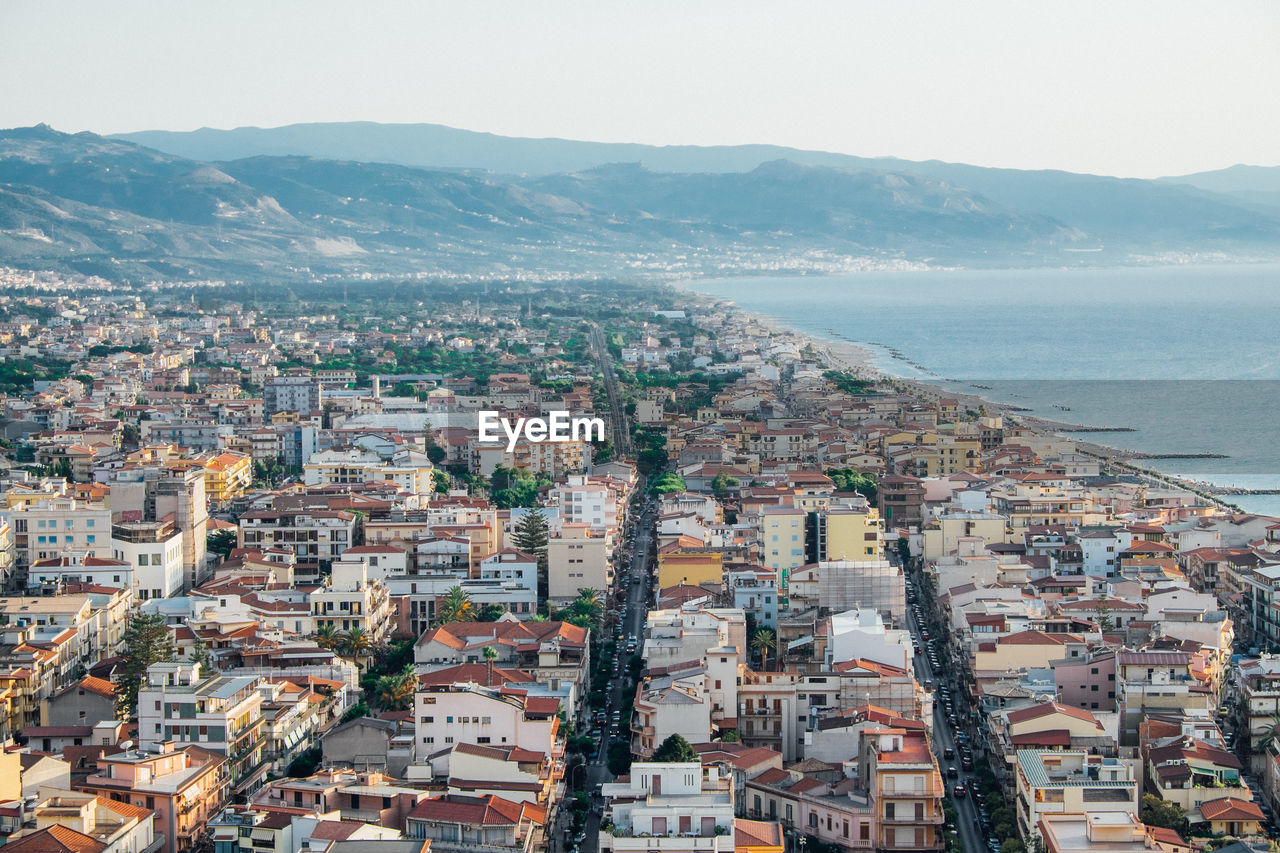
577	559
153	551
183	787
1072	782
449	714
907	788
349	600
318	537
178	703
54	527
296	392
668	808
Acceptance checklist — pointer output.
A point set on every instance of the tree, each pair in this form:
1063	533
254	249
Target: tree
221	542
763	641
355	644
326	637
586	611
1103	613
619	758
1158	812
360	709
490	655
721	484
146	641
1270	738
200	654
668	483
395	692
531	536
674	750
440	480
864	483
456	606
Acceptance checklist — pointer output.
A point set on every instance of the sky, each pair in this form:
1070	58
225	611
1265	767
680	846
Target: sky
1136	89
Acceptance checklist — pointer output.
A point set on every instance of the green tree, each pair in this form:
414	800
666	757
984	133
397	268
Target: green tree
585	611
360	709
763	641
395	692
668	483
326	637
531	536
355	644
490	655
1103	613
864	483
674	750
619	758
146	641
440	481
221	542
201	654
721	484
1158	812
456	606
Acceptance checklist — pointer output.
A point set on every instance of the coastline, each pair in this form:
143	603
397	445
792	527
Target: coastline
862	361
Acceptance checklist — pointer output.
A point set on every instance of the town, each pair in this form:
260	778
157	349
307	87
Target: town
276	581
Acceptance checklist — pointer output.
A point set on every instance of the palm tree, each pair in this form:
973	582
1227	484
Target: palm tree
395	692
1270	737
326	637
490	655
588	607
356	644
762	641
455	607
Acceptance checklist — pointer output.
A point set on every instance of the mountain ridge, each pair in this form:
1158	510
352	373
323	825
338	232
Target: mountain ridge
105	204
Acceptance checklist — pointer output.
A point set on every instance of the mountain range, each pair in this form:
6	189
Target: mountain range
390	200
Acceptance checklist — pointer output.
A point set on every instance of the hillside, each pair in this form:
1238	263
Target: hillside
116	208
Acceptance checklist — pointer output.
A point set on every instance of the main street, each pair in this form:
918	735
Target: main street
971	839
621	690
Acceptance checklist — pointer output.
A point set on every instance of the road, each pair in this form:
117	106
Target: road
617	415
971	839
621	690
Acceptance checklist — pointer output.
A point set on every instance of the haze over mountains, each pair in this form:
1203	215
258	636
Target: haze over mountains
367	199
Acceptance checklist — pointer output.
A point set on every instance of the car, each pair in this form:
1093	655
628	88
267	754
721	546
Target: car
966	761
952	772
948	753
1224	710
959	792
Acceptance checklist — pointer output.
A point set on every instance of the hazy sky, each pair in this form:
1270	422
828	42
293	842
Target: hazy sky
1116	87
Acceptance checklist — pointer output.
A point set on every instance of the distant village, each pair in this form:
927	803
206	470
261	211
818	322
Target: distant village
266	589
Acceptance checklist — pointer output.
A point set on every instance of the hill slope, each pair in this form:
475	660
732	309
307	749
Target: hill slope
115	208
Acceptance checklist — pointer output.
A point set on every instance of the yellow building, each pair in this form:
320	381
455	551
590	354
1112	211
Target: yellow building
226	476
848	534
692	568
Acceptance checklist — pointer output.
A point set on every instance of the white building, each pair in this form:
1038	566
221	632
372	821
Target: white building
671	808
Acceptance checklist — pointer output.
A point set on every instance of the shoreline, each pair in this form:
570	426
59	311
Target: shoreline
862	361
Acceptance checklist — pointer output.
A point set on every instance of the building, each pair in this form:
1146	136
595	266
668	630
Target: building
577	559
670	808
154	552
183	788
903	778
450	714
222	714
297	392
1072	782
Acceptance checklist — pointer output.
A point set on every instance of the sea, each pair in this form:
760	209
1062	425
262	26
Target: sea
1182	359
